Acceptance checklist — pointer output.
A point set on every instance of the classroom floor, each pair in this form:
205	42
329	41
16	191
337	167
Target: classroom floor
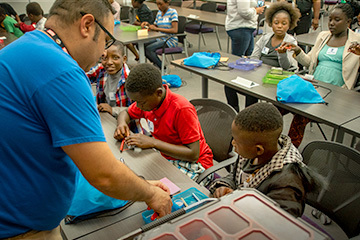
192	89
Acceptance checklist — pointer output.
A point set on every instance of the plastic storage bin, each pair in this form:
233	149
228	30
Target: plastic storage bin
276	78
177	202
130	28
244	214
245	64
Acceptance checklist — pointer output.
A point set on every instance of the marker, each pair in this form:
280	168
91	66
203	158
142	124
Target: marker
122	145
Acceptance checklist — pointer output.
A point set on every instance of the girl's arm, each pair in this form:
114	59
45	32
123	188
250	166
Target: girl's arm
173	29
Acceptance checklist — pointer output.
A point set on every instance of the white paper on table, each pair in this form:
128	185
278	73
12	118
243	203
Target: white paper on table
246	83
3	38
193	16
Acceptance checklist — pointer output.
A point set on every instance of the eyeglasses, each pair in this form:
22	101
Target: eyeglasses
112	38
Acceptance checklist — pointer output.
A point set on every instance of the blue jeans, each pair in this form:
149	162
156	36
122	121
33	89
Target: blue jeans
150	51
242	44
242	41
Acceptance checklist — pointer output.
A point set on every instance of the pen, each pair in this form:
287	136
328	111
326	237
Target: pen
122	145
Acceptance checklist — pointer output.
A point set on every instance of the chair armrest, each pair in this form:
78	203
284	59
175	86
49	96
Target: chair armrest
217	167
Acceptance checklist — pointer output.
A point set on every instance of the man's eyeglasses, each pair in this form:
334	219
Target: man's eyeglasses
112	38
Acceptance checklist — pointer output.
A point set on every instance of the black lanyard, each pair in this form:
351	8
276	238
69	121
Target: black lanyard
56	39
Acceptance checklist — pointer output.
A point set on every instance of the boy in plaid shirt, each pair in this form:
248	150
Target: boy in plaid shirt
110	78
267	161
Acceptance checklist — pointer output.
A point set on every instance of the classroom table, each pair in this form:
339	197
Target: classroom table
9	38
149	164
307	39
342	104
352	127
196	14
132	37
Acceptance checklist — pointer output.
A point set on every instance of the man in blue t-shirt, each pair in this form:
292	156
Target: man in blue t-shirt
51	126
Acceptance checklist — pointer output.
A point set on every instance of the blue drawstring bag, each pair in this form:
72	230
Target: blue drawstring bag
203	60
294	89
172	80
89	202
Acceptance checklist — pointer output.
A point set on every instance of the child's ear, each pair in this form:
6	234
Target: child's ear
260	149
159	91
124	59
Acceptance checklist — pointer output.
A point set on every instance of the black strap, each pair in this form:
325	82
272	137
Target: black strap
56	39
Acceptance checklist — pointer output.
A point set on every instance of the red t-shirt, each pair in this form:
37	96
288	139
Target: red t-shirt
175	122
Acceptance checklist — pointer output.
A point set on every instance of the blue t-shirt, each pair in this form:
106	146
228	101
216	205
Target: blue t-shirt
166	22
46	102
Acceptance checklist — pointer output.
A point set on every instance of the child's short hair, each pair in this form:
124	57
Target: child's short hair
2	11
259	117
120	47
34	8
139	1
143	78
286	7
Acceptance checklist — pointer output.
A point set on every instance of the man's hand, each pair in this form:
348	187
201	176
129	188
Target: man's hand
121	132
140	140
315	23
160	201
222	191
104	107
160	185
17	25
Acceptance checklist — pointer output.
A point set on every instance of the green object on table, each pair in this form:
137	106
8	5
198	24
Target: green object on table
276	78
130	28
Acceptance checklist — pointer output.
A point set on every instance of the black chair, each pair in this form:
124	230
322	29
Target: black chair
174	50
340	165
201	29
125	14
154	13
216	118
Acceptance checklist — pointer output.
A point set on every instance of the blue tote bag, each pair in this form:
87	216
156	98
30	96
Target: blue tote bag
89	202
294	89
203	60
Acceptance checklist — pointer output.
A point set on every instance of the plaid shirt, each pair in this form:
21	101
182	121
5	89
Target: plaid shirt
238	178
99	75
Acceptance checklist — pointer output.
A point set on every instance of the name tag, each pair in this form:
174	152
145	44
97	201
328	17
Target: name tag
331	51
112	96
265	50
151	126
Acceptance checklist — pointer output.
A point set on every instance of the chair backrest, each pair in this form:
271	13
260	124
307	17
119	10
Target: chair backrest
177	3
215	119
125	14
181	28
154	13
340	165
208	7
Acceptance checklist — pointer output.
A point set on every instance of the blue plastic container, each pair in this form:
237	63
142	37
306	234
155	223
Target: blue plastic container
177	202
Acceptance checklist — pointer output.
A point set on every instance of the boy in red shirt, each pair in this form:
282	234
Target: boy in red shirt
171	118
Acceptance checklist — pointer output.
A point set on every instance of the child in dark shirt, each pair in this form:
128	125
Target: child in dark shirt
268	161
143	13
